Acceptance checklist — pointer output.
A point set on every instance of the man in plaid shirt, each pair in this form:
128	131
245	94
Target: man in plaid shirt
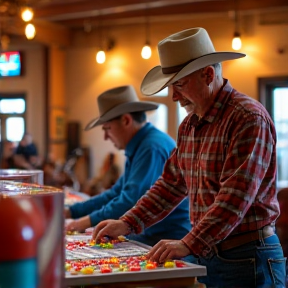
225	162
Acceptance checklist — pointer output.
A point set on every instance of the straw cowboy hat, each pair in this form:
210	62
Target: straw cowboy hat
181	54
118	101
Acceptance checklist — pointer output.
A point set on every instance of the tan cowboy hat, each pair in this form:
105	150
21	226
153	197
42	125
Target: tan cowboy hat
118	101
181	54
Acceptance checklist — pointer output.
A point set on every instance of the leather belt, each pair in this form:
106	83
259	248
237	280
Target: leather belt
244	238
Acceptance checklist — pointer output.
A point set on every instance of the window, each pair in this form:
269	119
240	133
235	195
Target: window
12	106
12	116
274	96
280	101
167	117
159	117
14	128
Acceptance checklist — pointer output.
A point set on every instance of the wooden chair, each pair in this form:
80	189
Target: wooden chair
282	223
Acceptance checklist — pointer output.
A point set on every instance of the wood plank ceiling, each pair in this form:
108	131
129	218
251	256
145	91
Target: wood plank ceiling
57	19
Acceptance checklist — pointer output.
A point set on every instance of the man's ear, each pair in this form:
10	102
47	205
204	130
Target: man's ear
209	74
126	119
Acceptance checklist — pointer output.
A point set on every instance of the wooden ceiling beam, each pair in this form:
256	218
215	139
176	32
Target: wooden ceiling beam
115	9
185	8
52	34
89	6
55	20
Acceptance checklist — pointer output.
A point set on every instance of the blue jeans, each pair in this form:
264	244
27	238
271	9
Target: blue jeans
258	264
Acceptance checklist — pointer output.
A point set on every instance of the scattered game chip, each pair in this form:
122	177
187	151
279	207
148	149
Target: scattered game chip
72	232
122	238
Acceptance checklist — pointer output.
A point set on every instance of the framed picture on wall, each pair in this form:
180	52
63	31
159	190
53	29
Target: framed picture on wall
57	124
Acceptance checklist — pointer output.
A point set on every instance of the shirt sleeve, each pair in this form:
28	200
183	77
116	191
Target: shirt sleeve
82	209
146	167
249	155
162	198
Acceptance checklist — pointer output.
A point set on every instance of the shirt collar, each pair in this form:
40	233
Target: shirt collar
137	138
221	98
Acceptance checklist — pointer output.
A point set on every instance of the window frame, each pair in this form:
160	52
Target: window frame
172	111
5	116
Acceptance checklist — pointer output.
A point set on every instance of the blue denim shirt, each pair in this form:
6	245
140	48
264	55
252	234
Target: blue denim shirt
146	154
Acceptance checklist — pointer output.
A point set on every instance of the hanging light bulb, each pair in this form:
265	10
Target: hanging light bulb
100	57
27	14
30	31
236	42
146	50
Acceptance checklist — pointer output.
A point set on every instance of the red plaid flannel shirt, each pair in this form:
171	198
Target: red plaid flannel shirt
226	164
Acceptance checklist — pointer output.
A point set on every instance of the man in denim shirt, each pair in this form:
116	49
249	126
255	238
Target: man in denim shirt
123	121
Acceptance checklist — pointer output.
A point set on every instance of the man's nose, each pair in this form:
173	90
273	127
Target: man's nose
175	96
106	137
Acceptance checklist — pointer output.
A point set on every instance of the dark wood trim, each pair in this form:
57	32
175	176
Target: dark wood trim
266	86
46	101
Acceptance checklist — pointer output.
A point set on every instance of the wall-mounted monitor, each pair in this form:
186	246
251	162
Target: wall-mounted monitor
10	64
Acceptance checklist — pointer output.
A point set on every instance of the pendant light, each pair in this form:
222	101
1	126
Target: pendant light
146	50
100	56
27	14
236	41
30	31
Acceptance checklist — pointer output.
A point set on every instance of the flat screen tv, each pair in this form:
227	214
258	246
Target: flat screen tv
10	64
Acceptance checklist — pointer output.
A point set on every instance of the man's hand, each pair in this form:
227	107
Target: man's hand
78	225
110	228
67	213
168	249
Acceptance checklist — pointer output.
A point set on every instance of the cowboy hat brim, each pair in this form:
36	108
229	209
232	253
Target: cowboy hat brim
120	110
155	80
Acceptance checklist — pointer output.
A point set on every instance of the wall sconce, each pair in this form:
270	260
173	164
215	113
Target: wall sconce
146	50
236	41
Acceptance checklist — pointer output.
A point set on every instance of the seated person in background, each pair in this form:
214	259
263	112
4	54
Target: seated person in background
54	174
123	121
27	154
8	155
108	176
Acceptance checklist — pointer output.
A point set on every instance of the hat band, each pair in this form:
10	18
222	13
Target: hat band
177	68
174	69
